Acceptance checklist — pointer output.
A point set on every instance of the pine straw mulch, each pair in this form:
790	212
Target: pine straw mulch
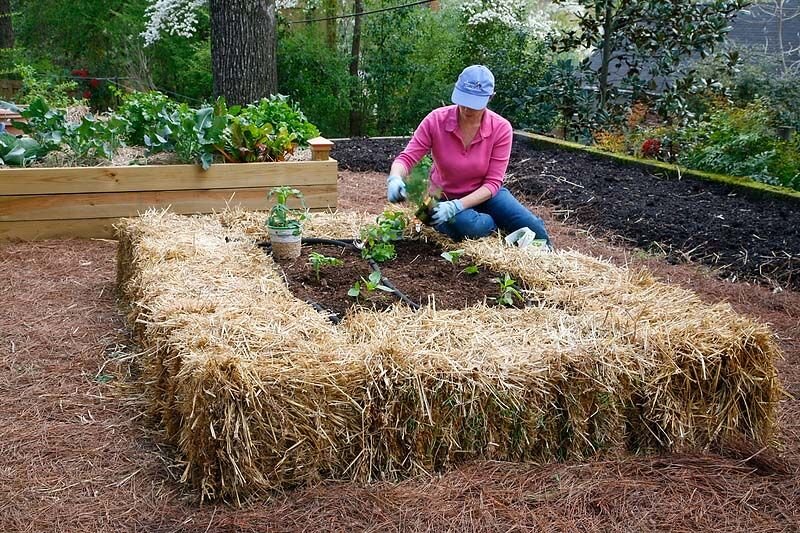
74	454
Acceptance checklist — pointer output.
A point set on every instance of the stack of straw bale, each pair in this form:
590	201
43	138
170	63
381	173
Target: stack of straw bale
260	393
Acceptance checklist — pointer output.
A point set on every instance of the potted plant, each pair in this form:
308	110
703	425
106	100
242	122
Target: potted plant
417	189
285	224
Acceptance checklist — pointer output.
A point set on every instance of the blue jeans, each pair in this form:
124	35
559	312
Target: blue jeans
502	211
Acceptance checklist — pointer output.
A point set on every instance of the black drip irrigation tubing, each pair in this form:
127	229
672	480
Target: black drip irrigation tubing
350	244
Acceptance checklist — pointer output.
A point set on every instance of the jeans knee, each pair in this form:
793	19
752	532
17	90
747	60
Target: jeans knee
468	224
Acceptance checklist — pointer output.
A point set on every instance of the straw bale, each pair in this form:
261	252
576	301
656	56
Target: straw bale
526	384
259	392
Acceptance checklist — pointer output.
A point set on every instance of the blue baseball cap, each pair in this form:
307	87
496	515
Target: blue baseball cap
474	88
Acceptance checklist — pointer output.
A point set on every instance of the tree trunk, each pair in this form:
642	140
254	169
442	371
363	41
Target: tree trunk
355	94
243	49
6	29
330	10
608	32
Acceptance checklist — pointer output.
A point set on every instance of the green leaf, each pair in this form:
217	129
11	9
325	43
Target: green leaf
471	269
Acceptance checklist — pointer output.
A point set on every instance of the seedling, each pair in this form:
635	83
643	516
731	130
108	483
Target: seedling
318	261
377	238
453	256
281	215
417	189
471	269
508	291
367	286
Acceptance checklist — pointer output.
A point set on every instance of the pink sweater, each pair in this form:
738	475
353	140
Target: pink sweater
456	171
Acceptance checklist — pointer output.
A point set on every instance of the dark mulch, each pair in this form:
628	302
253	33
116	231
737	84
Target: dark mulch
419	271
740	233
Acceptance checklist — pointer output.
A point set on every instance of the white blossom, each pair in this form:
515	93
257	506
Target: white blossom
179	17
505	12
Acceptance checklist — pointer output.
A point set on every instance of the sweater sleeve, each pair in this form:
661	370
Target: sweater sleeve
498	160
419	145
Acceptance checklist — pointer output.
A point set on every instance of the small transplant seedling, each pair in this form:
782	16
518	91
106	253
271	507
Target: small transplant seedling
471	270
452	256
318	261
281	215
508	291
368	286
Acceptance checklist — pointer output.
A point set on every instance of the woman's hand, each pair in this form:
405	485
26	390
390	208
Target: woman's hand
395	189
446	210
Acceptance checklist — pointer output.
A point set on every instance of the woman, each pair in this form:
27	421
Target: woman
471	146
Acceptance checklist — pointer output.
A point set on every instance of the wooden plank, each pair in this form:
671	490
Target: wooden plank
25	181
125	204
31	230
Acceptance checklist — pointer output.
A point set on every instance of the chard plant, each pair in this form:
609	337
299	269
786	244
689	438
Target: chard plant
318	261
508	291
368	286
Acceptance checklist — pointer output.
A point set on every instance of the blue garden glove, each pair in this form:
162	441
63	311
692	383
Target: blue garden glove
446	210
395	189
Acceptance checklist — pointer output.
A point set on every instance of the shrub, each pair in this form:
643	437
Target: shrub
741	142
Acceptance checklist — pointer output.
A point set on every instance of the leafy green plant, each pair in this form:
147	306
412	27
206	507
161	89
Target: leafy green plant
377	238
452	256
45	125
281	215
418	190
36	86
508	291
741	142
368	285
318	261
144	111
283	116
471	270
18	151
93	137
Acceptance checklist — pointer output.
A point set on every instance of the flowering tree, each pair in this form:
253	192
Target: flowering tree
243	41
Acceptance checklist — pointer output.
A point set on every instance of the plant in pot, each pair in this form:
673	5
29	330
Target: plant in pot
417	189
285	224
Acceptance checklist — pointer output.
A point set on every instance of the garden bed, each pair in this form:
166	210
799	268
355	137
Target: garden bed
260	392
740	232
42	203
419	272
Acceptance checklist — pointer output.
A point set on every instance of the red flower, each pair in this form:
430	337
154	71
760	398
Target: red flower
80	72
87	94
95	83
651	147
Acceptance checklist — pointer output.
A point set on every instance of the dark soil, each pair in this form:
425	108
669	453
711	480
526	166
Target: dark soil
742	234
418	271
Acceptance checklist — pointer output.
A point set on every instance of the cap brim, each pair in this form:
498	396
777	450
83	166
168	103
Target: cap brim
469	100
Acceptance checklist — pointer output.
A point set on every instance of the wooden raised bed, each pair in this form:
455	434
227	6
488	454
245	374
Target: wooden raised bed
44	203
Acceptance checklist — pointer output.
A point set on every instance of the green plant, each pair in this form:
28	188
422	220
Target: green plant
368	285
377	238
93	137
508	291
46	125
471	269
144	110
452	256
318	261
741	142
281	215
18	151
281	115
38	87
417	190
